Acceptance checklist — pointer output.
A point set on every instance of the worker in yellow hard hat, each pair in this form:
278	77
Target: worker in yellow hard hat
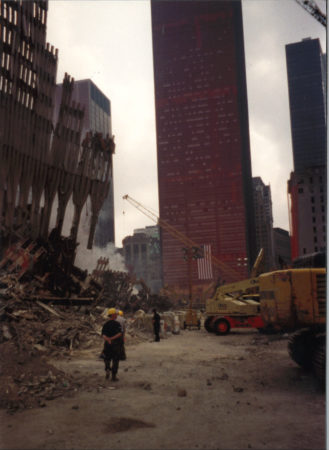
112	335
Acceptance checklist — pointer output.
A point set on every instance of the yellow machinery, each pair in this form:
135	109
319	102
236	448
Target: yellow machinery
236	305
290	300
192	318
294	300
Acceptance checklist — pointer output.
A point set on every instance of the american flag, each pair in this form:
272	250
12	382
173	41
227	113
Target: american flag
204	264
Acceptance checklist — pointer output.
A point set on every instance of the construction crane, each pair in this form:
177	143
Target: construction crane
193	250
196	248
311	7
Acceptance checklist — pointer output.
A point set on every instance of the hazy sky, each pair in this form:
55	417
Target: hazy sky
110	42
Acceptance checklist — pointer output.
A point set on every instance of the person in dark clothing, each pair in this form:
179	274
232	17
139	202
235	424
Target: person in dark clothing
112	334
156	325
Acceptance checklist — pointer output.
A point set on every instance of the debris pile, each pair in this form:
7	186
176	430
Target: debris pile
27	380
30	333
44	270
49	308
130	295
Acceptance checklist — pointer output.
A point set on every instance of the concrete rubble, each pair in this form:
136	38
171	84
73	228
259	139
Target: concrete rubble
50	308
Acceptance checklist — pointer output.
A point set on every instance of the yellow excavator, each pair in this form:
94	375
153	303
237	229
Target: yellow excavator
291	300
294	300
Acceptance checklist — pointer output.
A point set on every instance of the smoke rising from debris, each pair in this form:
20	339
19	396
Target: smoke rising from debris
87	259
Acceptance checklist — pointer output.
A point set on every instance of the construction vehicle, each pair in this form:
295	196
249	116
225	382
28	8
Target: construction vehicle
236	305
291	300
191	249
294	300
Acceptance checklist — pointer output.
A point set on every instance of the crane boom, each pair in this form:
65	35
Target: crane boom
180	236
311	7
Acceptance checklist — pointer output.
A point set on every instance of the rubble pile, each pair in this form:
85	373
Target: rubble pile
27	380
49	308
39	269
129	294
30	333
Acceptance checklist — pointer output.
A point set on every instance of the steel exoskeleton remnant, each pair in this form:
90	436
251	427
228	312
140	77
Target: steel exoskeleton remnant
40	155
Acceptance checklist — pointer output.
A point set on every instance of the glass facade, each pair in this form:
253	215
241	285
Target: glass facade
204	170
306	82
98	118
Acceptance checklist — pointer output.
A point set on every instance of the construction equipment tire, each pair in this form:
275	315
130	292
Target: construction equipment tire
222	327
208	326
301	346
319	361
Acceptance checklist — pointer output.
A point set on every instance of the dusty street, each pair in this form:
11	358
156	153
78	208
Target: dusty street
190	391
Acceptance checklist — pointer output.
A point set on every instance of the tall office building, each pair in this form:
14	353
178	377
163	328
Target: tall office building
142	256
97	118
282	250
307	100
264	222
307	185
204	169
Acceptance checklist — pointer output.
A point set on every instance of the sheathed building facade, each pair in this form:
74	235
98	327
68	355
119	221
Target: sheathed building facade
43	164
97	118
204	168
307	186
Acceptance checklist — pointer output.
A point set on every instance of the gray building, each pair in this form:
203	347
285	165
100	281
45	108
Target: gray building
264	221
97	118
282	251
307	185
142	256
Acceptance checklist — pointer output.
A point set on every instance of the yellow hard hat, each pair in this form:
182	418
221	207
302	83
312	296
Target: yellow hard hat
120	313
111	311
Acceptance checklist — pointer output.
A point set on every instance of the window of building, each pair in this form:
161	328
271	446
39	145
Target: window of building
300	190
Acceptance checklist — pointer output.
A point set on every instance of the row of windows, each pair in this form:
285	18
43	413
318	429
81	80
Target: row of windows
314	218
6	34
28	76
5	85
8	12
39	13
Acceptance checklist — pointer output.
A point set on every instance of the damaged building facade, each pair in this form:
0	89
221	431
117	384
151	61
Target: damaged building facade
42	158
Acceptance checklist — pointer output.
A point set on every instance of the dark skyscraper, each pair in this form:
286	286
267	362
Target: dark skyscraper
306	82
307	185
204	169
97	118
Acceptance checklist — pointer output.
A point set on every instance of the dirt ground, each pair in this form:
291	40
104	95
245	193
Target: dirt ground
193	390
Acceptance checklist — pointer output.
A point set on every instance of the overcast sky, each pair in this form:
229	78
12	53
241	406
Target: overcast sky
110	42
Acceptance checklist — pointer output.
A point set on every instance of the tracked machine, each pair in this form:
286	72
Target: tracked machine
294	300
291	300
